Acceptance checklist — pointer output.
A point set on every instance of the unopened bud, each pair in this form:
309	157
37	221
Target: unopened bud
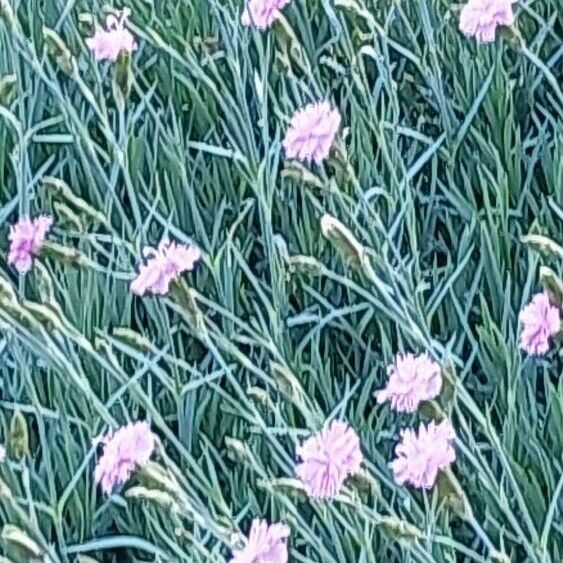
261	395
58	49
543	244
19	436
155	496
343	239
305	264
288	383
134	339
553	284
7	84
240	451
16	536
286	485
365	482
398	529
153	475
186	299
7	12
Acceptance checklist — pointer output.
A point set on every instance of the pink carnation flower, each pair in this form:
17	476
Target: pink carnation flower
26	239
124	450
412	379
328	458
262	13
115	39
165	264
311	132
420	457
266	544
540	320
480	18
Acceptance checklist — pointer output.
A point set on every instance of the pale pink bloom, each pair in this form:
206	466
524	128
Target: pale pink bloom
115	39
262	13
420	457
539	321
2	454
164	265
328	458
125	450
311	132
480	18
265	544
26	239
412	379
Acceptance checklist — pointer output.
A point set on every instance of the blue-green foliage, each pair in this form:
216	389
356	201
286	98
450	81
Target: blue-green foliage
450	152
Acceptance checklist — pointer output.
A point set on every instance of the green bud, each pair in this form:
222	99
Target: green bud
543	244
19	436
58	49
553	284
399	529
122	79
155	496
343	240
305	264
365	482
134	339
7	84
285	485
21	541
239	451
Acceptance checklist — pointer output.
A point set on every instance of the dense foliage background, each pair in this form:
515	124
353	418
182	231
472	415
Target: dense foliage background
449	153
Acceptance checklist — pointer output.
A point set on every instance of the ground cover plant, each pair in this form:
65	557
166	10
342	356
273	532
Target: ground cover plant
281	281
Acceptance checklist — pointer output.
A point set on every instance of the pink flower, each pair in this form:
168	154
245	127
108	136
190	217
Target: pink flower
124	450
480	18
311	132
115	39
266	544
328	458
164	265
26	239
262	13
419	458
540	321
412	379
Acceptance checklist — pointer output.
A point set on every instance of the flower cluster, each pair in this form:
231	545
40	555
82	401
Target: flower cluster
109	43
421	456
26	239
262	13
540	321
164	265
311	132
125	450
328	458
265	544
480	18
412	379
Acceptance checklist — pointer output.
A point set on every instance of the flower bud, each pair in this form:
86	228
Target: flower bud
305	264
342	239
58	49
19	436
19	539
553	284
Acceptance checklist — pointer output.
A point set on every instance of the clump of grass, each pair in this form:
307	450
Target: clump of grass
449	153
